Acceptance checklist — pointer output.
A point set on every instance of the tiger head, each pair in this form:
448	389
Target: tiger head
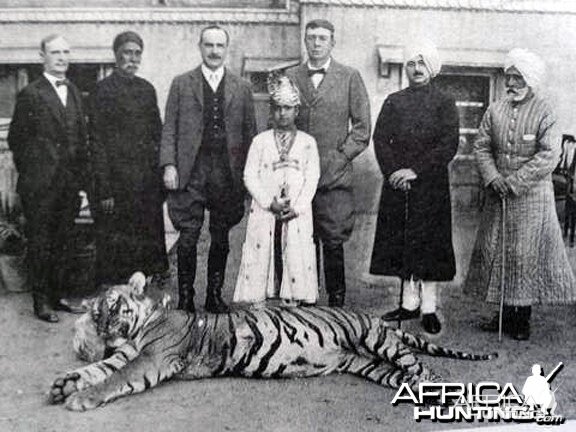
114	318
121	310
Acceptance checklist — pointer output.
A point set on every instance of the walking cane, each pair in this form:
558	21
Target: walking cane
503	271
405	240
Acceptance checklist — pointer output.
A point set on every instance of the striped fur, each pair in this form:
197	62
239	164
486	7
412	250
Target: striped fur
153	344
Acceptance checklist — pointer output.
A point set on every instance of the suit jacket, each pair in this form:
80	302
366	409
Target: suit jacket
184	123
337	114
39	141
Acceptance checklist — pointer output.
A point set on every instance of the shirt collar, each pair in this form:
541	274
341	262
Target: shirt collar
325	66
207	72
52	79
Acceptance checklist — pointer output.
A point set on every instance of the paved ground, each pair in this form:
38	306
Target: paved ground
33	353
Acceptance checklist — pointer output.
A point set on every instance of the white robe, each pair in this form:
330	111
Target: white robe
263	177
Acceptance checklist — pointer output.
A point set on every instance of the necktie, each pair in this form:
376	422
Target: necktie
213	81
62	82
320	71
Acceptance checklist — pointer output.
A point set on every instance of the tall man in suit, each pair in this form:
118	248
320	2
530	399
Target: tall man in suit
336	111
209	125
48	139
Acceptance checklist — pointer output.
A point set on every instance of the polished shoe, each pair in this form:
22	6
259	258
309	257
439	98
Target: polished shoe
336	300
290	303
431	323
401	314
307	304
186	296
522	317
45	313
66	305
522	334
215	304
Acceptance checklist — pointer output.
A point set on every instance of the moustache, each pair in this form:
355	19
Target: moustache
214	57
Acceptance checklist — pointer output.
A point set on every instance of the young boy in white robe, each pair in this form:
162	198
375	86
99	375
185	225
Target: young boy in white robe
281	174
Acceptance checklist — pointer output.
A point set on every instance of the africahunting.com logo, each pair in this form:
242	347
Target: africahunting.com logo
485	401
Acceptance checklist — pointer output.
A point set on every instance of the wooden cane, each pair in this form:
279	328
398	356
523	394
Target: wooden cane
405	239
503	270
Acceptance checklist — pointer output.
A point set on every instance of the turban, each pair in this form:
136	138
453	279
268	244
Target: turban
429	54
127	36
528	64
283	91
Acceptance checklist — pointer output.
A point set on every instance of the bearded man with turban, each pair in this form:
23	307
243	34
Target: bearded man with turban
281	174
125	131
415	138
516	151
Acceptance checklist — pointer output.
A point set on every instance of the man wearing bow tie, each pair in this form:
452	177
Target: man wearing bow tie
48	139
336	111
209	125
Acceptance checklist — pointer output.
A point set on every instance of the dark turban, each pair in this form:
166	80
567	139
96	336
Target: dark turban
127	36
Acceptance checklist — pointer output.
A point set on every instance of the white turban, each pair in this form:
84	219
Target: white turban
429	54
283	91
528	64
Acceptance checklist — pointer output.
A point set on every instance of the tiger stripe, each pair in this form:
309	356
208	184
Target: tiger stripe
265	343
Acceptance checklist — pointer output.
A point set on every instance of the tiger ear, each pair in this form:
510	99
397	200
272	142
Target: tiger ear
138	282
89	303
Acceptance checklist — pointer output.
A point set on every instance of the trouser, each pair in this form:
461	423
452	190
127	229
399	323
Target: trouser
419	293
50	215
333	224
210	187
334	273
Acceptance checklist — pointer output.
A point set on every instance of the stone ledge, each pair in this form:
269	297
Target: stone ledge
146	15
518	6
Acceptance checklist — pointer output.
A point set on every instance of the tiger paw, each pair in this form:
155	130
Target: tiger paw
63	387
84	400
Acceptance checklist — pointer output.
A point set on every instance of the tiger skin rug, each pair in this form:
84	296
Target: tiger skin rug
134	343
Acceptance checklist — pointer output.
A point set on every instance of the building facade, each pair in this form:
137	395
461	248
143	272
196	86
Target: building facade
473	37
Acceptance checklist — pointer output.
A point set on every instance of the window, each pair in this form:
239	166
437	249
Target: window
473	88
472	94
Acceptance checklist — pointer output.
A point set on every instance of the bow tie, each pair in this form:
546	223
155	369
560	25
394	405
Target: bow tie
62	82
320	71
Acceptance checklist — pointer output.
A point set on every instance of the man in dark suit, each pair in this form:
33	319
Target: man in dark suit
336	111
209	125
48	139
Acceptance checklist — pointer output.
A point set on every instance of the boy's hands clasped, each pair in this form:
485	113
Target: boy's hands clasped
282	210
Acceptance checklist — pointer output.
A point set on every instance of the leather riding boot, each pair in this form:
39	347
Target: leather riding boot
334	274
186	276
522	316
508	323
217	258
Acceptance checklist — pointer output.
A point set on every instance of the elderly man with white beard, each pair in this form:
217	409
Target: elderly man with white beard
516	151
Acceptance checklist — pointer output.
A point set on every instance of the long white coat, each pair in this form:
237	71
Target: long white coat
263	177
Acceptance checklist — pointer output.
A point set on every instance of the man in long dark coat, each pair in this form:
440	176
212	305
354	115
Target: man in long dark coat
48	140
415	138
126	130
